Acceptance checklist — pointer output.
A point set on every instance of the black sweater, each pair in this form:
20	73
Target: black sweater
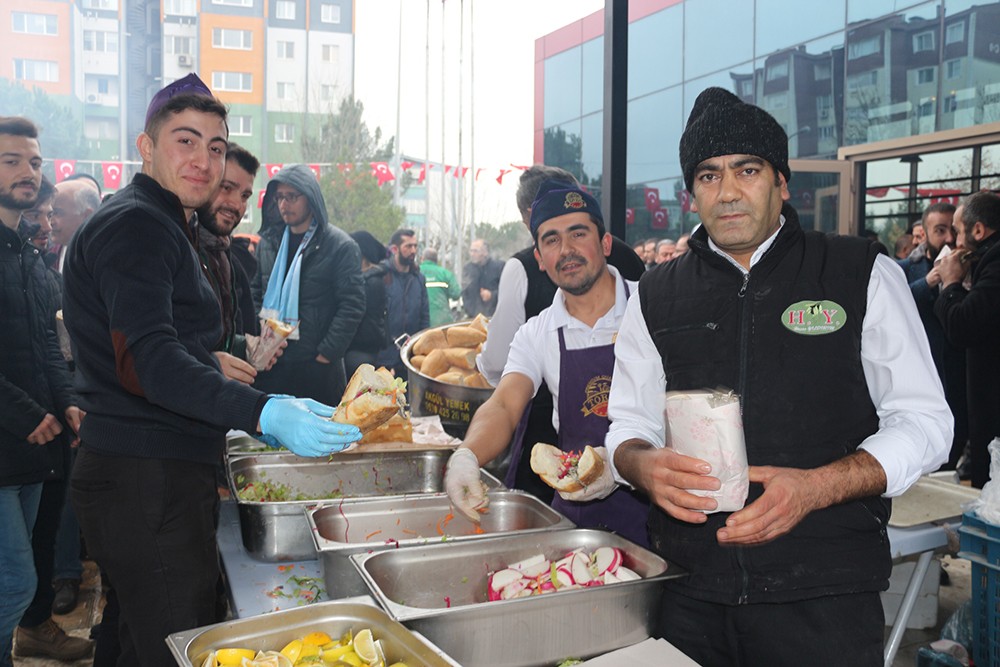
144	321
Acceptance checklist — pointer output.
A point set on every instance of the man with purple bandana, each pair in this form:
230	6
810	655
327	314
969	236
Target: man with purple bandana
569	346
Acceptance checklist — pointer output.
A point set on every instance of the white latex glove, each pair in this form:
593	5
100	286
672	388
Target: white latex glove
463	484
598	490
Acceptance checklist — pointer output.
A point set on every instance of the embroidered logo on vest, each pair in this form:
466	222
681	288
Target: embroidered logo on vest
597	391
814	318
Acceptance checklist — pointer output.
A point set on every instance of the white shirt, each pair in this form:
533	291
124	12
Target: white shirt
507	319
915	424
534	351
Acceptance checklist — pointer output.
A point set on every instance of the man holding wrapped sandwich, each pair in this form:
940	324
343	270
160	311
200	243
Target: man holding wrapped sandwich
569	346
144	322
841	410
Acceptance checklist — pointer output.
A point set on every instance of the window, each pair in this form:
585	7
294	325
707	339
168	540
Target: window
227	38
827	132
326	92
778	101
953	68
329	13
746	88
102	85
923	41
284	9
824	105
35	70
777	71
100	4
856	81
234	3
240	126
100	41
286	90
864	47
925	109
179	7
286	49
284	133
330	53
822	71
950	104
34	24
177	45
954	32
240	82
925	75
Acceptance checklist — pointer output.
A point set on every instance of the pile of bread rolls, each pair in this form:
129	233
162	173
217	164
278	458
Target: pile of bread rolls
449	355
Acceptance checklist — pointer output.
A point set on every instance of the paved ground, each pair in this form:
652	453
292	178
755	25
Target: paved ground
88	613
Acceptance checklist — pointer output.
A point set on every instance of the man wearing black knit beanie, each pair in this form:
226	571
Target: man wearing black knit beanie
841	410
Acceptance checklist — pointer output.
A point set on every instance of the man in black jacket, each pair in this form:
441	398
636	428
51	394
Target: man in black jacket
971	318
480	280
307	273
36	399
407	305
840	411
145	322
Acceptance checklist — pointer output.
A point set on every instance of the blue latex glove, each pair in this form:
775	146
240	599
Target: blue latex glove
304	427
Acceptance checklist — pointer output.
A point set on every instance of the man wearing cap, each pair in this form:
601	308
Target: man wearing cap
569	346
841	409
144	323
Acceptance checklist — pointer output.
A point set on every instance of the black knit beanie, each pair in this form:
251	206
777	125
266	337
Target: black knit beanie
722	124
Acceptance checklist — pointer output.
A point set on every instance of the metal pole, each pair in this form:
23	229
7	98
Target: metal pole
427	116
399	89
444	212
615	114
459	182
472	122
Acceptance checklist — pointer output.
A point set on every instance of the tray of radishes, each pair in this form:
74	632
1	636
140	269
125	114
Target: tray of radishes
522	600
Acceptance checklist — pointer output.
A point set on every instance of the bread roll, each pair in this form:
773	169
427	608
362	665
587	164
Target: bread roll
397	429
417	360
435	363
451	377
465	337
429	340
479	323
548	462
463	357
477	380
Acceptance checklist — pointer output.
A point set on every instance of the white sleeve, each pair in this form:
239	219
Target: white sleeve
635	406
507	319
527	355
915	425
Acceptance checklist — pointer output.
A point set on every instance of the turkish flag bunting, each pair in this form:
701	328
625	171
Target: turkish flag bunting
522	167
424	168
260	199
652	199
64	169
380	170
112	175
315	170
478	171
685	198
273	169
630	216
503	172
447	168
405	164
460	172
660	219
343	168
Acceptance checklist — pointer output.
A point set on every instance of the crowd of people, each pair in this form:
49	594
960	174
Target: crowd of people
120	431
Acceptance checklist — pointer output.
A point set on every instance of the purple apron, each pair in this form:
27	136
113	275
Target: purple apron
584	384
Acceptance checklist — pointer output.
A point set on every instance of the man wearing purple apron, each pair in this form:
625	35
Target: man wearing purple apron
569	346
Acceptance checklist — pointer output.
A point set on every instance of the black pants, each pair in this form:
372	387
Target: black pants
305	379
43	546
150	525
832	631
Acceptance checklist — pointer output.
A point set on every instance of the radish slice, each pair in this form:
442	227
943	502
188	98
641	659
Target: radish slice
581	569
610	578
564	576
504	578
536	569
513	589
527	562
607	558
625	574
546	587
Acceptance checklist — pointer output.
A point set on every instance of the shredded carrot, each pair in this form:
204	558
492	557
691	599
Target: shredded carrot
479	530
397	522
411	532
372	534
440	530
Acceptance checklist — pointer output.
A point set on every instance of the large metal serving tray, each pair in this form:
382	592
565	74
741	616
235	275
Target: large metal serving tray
279	531
242	444
271	632
440	592
391	523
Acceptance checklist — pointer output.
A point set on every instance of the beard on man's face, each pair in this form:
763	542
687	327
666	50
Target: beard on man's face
220	225
12	202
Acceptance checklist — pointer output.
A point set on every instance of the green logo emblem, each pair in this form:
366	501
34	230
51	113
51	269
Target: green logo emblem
814	318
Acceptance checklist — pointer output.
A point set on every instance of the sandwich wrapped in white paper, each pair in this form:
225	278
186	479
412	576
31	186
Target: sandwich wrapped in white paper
707	425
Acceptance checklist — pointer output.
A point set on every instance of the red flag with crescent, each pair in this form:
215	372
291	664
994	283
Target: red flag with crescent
315	170
660	219
405	164
112	175
685	199
260	198
273	169
423	172
652	199
630	216
64	169
380	170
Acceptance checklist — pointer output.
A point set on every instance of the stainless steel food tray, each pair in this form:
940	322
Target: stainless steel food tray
440	592
273	631
275	531
391	523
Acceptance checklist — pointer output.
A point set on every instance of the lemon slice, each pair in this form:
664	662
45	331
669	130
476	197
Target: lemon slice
316	638
351	658
233	657
334	654
364	646
292	650
310	652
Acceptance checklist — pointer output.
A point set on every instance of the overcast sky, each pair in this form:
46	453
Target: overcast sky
503	33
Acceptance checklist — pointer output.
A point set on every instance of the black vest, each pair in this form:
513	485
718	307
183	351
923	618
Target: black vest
804	398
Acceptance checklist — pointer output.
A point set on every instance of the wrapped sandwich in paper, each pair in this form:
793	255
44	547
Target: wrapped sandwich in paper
707	425
261	349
